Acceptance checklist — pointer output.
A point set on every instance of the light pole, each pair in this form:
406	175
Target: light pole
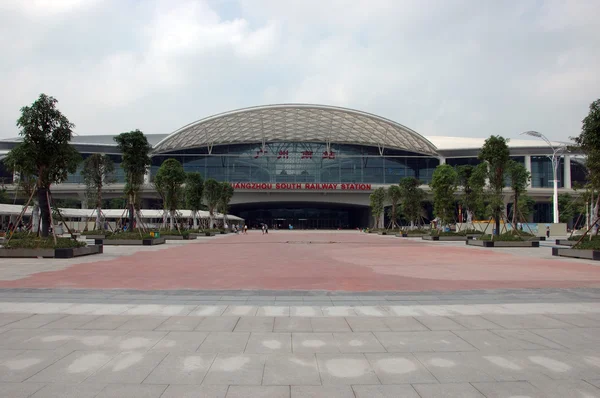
555	158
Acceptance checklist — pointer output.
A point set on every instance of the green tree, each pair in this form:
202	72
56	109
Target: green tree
194	187
588	142
377	199
98	171
225	199
443	184
212	196
567	207
135	151
471	180
45	151
394	196
519	178
169	181
526	205
412	199
496	155
115	203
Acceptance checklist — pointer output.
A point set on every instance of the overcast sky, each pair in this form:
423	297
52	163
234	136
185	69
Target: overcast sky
441	67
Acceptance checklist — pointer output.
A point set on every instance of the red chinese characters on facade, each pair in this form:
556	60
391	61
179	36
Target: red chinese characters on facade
306	155
328	155
283	154
260	153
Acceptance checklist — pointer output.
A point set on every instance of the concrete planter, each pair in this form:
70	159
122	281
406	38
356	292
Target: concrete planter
202	234
179	237
445	238
51	253
94	236
565	242
131	242
576	253
496	243
405	235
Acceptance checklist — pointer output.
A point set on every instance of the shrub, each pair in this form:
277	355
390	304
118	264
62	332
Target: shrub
585	244
134	235
43	243
587	237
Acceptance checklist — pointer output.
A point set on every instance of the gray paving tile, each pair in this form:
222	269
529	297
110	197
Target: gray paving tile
224	342
346	369
143	322
132	391
452	367
87	390
314	342
180	323
403	324
255	324
576	339
105	322
236	369
21	367
439	323
36	321
74	368
475	322
508	389
529	321
422	341
499	340
128	367
557	364
19	390
96	340
378	391
578	320
291	369
45	339
195	391
7	319
181	341
292	324
566	388
258	392
399	369
322	392
70	322
447	390
217	324
594	382
330	325
358	342
241	310
188	368
367	324
267	343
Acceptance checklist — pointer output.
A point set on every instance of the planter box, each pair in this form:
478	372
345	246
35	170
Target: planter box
51	253
94	236
576	253
179	237
445	238
131	242
496	243
381	233
565	242
405	235
202	234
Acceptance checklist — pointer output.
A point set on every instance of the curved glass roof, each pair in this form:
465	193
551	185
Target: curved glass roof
298	123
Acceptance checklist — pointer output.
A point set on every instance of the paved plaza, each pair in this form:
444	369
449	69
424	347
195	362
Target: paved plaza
297	314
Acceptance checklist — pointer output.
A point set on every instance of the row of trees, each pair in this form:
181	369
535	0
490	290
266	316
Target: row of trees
479	190
46	157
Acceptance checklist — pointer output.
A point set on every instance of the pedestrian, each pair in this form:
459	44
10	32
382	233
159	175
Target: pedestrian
263	229
246	229
547	231
266	229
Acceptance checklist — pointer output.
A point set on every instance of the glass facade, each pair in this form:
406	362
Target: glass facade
541	172
119	175
303	162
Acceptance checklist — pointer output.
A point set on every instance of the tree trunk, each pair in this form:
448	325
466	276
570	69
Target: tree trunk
45	211
172	221
514	215
131	213
35	218
497	222
211	220
99	224
195	218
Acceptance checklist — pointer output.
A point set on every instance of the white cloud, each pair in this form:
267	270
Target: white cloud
457	67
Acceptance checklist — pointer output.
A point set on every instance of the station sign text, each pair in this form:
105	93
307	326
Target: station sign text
309	186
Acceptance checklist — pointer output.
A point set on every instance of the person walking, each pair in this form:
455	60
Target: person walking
245	229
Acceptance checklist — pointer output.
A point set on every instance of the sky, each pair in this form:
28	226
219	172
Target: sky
461	68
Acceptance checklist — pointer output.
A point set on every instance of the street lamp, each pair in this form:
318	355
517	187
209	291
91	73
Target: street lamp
555	158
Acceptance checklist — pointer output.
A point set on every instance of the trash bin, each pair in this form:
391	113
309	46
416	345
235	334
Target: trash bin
155	234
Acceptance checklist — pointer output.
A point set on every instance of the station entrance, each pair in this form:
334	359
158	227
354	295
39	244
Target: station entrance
302	215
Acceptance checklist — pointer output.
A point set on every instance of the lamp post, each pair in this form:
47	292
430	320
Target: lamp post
555	158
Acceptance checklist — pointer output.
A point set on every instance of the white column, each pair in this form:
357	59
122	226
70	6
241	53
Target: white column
147	176
528	167
442	160
567	172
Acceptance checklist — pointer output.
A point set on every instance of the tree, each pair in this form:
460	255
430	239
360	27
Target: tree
194	186
495	154
588	142
212	196
412	199
98	171
567	207
443	185
526	205
168	182
377	199
135	152
226	195
519	178
394	195
45	151
471	180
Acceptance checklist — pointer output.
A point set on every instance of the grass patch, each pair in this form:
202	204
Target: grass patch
135	235
587	237
464	232
593	244
43	243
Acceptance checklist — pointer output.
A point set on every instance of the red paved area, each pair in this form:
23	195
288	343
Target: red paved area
334	261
